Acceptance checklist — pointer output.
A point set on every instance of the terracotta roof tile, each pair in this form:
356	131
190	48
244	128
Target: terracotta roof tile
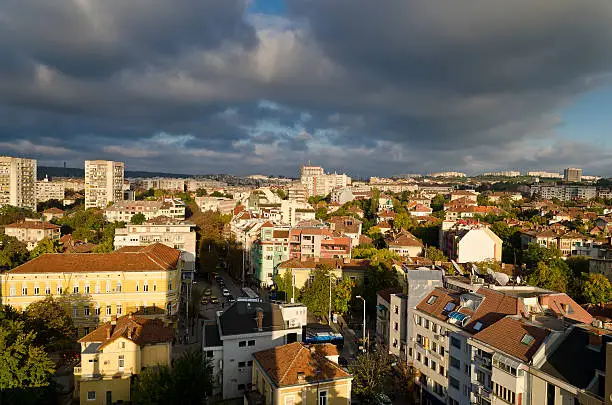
507	333
154	257
436	308
283	363
562	304
142	331
32	225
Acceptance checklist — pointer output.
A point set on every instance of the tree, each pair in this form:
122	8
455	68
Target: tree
597	289
405	379
138	219
200	192
536	253
380	275
482	199
188	382
550	276
315	295
46	245
404	221
578	265
284	284
437	203
12	252
52	321
369	372
23	364
435	254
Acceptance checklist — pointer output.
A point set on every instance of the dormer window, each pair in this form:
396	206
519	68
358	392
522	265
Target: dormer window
527	339
432	299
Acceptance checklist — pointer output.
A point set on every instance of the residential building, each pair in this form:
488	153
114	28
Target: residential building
18	182
545	175
162	183
123	211
51	213
342	195
405	244
498	196
222	204
99	284
298	374
563	192
49	190
347	226
353	269
569	243
246	328
103	183
573	174
470	242
469	195
447	174
31	232
173	233
297	192
317	182
503	173
117	351
384	324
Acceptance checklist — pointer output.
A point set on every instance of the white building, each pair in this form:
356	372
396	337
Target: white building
174	233
49	190
504	173
123	211
342	195
31	232
447	174
545	175
243	329
470	243
317	182
103	183
18	182
222	204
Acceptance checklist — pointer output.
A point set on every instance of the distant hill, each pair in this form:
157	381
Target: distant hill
80	173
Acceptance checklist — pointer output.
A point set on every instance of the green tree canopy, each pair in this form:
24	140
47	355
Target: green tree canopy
189	382
52	321
437	203
597	289
435	254
553	276
138	219
284	284
370	371
12	252
404	221
315	295
535	254
46	245
578	265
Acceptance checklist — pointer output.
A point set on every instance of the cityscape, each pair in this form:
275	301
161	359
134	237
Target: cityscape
305	202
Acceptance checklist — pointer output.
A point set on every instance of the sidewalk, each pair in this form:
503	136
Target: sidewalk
349	350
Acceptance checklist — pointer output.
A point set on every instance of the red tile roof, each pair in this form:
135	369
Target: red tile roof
32	225
507	333
155	257
142	331
53	210
562	304
386	294
283	363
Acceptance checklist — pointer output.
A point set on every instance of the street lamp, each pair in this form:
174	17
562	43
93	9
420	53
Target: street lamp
364	319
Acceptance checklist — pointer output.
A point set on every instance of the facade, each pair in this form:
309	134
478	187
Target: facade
223	205
51	213
298	374
173	233
573	174
405	244
342	195
348	226
103	183
353	269
504	173
465	242
297	192
31	232
99	285
117	351
563	192
545	175
317	182
49	190
246	328
123	211
18	182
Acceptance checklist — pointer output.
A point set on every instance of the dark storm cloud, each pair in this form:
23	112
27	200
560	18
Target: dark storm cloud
387	87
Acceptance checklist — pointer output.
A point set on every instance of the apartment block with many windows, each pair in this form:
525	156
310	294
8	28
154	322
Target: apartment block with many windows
18	182
103	183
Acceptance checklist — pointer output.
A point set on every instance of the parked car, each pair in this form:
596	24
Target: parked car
204	301
214	300
226	292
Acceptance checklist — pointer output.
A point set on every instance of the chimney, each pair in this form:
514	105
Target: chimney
109	331
259	318
301	378
114	320
129	333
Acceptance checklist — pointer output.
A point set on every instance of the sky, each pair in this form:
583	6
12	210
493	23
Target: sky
263	86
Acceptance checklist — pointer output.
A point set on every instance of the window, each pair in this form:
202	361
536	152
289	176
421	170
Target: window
87	288
241	387
442	351
434	347
91	395
434	327
24	290
323	398
478	326
242	343
449	307
169	285
455	363
122	345
209	353
36	290
119	309
86	310
509	396
250	363
108	286
418	356
396	309
426	362
75	289
154	286
395	325
453	382
442	370
97	310
527	339
137	288
433	365
251	343
242	364
108	310
145	287
48	290
455	342
75	311
97	288
59	290
432	299
550	394
121	362
86	331
426	325
118	286
12	292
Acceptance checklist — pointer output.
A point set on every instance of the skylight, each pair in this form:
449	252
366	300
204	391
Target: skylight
449	307
527	339
478	326
432	299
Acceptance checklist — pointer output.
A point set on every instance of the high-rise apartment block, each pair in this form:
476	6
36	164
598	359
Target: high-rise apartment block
50	190
572	174
103	183
18	182
317	182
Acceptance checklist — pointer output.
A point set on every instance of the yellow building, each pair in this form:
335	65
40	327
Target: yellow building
296	374
116	351
99	285
353	269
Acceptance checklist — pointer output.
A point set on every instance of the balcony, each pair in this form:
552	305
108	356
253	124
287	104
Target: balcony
484	362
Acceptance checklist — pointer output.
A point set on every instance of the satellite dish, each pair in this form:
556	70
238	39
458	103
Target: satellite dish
475	269
501	278
490	272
